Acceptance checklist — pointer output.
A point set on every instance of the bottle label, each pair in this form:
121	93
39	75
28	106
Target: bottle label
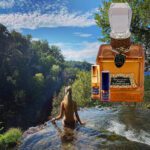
123	80
105	95
95	90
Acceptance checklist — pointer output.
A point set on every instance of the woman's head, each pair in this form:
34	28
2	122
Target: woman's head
68	90
68	94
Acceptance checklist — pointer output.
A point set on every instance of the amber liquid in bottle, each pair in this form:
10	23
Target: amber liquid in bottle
95	82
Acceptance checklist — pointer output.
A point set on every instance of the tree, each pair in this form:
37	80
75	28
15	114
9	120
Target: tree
140	25
26	77
56	52
81	88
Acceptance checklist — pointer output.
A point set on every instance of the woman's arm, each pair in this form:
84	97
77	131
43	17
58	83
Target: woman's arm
77	115
60	113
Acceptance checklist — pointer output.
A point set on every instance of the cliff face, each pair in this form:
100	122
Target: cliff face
100	130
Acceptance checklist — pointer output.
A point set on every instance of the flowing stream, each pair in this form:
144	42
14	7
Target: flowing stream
106	128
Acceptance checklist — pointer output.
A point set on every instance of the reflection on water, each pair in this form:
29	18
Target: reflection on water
133	125
135	119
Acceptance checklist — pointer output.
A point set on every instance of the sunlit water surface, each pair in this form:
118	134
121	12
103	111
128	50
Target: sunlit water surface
106	128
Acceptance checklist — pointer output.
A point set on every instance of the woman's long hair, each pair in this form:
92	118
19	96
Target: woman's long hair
68	97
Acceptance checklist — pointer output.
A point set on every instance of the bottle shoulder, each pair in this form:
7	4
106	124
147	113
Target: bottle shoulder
105	51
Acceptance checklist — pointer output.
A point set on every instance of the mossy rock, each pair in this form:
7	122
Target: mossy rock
148	106
115	137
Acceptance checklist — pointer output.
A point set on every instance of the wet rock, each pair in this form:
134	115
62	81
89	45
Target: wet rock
98	106
148	106
32	130
115	137
104	129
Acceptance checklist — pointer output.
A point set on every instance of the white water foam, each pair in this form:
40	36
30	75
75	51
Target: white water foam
120	129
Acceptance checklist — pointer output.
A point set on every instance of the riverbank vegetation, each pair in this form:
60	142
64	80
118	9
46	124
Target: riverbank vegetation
10	138
146	103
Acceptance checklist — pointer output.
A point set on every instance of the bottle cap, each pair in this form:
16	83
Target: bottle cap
120	15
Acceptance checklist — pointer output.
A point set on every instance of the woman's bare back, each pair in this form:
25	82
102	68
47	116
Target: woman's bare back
69	111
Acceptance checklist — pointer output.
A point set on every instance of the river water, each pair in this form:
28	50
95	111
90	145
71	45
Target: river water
120	128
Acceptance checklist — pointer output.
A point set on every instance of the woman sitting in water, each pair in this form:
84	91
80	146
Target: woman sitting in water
68	108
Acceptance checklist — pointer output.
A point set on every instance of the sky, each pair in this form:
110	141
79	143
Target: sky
69	24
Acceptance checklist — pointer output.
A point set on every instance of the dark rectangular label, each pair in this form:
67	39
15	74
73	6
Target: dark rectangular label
120	81
95	90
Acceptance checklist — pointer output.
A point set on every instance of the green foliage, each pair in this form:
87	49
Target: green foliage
39	78
147	83
72	68
147	89
84	66
27	71
1	127
81	91
57	100
55	70
56	52
81	88
19	97
10	138
140	25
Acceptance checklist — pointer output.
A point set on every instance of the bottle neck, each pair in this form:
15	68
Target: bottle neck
120	43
